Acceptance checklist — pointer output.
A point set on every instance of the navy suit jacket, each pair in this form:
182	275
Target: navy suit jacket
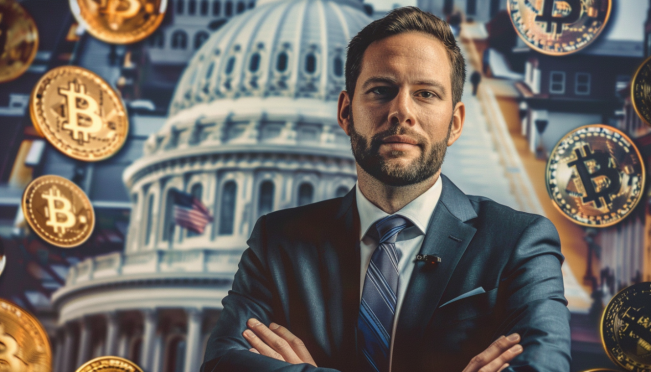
302	271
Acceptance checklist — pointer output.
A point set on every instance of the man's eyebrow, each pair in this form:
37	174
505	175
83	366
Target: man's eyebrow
391	81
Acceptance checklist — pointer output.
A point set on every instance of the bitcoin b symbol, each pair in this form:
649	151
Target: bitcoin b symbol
120	8
76	96
599	162
58	205
8	348
557	13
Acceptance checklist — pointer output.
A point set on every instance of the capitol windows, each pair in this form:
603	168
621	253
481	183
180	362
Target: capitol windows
157	39
150	219
227	208
230	65
281	63
557	82
305	194
168	221
266	198
229	9
338	66
179	6
197	192
179	39
216	8
341	191
192	7
240	7
582	83
251	5
254	63
204	7
199	38
310	63
175	358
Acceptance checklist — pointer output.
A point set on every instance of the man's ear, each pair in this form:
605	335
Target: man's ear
343	111
458	117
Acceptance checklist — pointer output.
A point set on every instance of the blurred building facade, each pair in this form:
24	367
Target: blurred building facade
478	10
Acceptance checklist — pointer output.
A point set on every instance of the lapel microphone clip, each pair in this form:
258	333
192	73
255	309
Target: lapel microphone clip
430	260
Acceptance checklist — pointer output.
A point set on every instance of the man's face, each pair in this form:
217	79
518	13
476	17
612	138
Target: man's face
401	119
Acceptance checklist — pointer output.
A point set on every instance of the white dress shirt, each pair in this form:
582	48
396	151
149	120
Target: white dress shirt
408	242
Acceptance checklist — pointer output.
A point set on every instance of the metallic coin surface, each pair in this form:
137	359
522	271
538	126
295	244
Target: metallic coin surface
79	113
25	345
109	364
58	211
120	21
559	27
626	328
641	91
18	40
595	175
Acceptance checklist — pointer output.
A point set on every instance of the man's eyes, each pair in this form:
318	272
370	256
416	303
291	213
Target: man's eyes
389	91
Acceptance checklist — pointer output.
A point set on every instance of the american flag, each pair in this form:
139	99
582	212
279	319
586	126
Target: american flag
189	212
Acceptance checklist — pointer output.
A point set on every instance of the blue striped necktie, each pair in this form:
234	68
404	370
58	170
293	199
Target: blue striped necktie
379	296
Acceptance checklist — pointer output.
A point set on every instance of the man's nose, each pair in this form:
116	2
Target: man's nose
401	110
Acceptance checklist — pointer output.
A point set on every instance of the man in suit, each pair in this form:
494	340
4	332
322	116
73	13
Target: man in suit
337	285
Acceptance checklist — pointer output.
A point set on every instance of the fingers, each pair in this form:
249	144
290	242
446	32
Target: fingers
268	343
297	345
502	350
504	366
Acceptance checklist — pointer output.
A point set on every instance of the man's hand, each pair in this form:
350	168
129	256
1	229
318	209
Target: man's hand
497	356
276	342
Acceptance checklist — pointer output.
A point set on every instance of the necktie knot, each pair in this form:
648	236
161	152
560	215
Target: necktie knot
388	228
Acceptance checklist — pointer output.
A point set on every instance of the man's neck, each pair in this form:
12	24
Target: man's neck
391	198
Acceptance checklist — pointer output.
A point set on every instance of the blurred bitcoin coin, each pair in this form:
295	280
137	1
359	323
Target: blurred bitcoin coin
641	91
79	113
18	40
595	175
626	328
557	27
58	211
120	21
109	364
24	343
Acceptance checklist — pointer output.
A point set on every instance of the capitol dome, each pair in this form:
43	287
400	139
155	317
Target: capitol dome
252	129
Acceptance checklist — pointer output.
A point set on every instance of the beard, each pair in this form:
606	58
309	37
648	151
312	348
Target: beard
368	157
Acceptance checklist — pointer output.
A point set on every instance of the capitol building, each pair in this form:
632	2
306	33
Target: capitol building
251	129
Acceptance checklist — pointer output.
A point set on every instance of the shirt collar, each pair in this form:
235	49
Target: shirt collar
419	210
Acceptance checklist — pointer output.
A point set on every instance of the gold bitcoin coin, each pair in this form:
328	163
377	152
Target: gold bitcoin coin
79	113
120	21
641	91
595	175
557	27
626	328
58	211
18	40
109	364
24	342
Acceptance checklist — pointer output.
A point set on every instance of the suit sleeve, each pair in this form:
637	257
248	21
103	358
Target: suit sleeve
535	306
251	296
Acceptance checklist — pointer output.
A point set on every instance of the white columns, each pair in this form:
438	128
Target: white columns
68	348
148	338
84	342
123	345
156	365
60	344
110	346
193	340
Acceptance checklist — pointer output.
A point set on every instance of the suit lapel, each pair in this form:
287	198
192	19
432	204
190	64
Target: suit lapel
342	263
448	237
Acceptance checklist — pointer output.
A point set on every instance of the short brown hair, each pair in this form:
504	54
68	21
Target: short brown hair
402	20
